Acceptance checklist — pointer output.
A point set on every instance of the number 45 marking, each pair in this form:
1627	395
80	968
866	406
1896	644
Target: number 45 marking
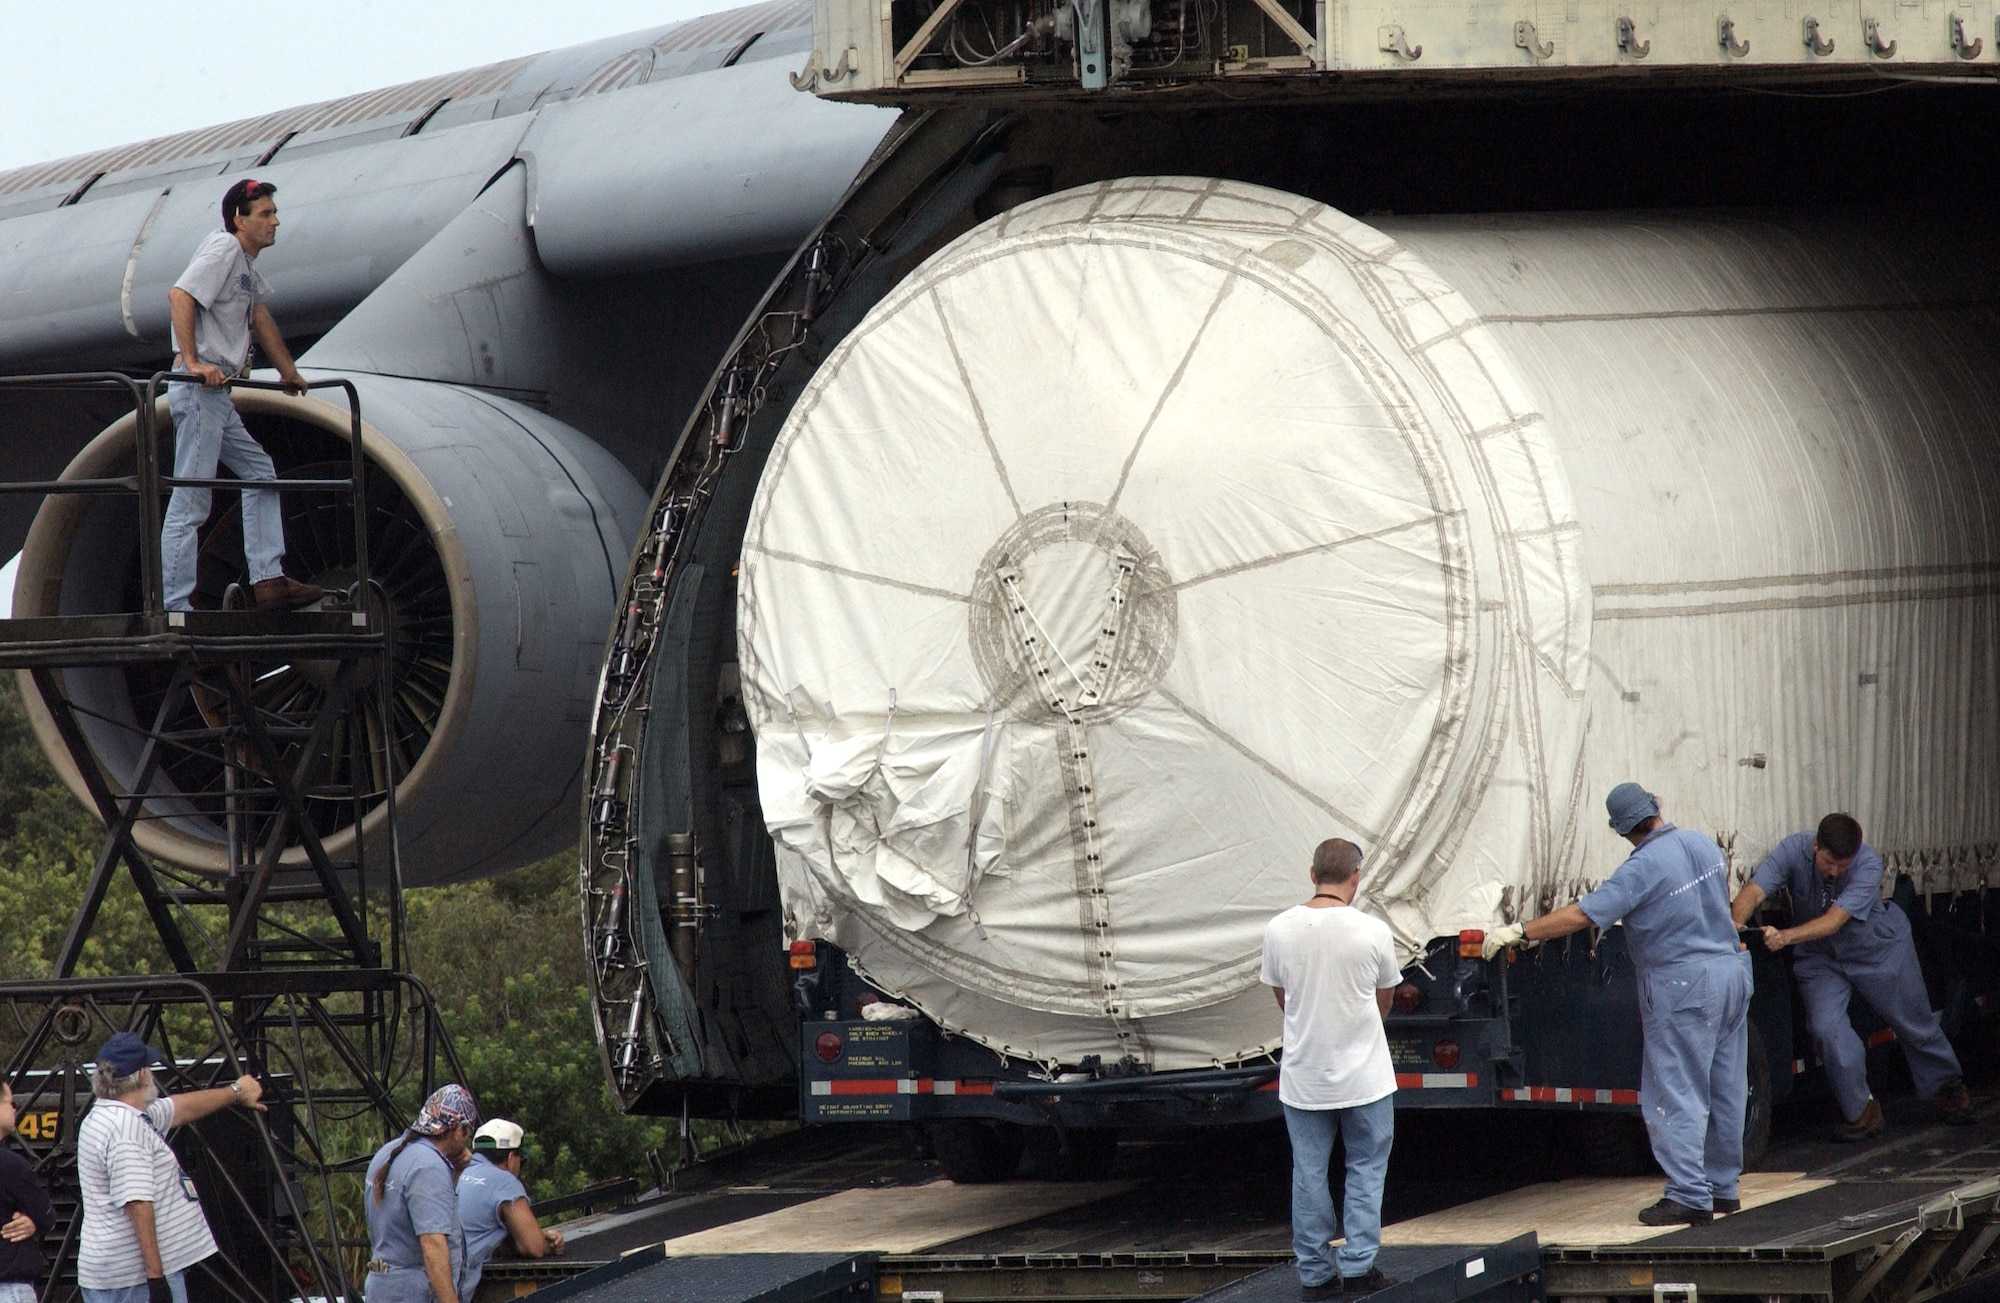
39	1126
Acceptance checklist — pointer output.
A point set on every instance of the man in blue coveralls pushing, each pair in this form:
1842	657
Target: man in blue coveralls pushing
1672	894
1847	940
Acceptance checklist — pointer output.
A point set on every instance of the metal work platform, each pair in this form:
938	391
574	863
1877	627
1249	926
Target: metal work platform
264	742
81	640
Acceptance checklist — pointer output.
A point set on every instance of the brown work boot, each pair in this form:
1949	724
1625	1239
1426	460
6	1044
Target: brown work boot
1955	1102
1868	1124
284	593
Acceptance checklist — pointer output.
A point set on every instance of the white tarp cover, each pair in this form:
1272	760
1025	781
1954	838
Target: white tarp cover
1143	538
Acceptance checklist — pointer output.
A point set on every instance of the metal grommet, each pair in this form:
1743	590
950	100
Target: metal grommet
72	1024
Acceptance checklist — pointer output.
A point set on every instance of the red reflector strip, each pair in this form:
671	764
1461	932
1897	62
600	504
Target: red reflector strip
1436	1080
1882	1037
854	1087
1568	1095
901	1086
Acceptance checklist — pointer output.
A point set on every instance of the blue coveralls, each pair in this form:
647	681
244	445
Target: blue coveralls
1871	954
1672	894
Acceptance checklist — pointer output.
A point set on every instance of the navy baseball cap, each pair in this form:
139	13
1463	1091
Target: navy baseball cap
1630	805
125	1053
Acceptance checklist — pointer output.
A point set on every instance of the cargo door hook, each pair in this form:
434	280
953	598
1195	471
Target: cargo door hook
1528	39
1392	40
1725	36
1814	41
1966	49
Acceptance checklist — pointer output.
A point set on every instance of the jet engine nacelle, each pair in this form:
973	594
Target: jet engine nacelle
497	535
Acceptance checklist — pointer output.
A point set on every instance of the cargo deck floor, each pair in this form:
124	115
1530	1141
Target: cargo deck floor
1213	1208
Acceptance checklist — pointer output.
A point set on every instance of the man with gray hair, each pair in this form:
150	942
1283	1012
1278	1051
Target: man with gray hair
142	1221
1333	970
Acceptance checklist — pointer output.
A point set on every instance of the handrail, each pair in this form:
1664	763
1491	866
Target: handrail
147	482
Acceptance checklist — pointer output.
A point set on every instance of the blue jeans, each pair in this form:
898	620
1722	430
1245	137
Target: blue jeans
1369	1130
207	430
177	1282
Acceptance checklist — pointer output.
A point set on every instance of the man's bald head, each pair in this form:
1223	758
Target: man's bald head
1335	862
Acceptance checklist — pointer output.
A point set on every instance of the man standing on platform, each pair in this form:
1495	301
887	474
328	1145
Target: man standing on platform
1672	894
1847	939
1333	970
217	306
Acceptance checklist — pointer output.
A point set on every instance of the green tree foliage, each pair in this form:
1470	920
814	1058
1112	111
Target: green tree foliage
48	845
504	959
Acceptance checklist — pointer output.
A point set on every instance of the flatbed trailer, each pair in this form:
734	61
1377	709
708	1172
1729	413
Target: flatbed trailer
1552	1031
850	1214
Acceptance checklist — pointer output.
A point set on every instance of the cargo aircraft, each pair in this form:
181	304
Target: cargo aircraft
947	501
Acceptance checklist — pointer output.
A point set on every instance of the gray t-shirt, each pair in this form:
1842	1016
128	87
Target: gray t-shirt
121	1157
419	1199
483	1189
224	281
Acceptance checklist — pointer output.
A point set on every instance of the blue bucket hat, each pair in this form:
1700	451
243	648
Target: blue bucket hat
126	1052
1630	805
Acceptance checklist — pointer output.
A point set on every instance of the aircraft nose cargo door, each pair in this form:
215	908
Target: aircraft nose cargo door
1143	538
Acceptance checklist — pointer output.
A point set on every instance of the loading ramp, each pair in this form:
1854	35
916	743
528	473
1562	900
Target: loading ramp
1495	1273
1912	1218
650	1277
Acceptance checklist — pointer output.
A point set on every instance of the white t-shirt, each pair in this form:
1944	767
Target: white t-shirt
1329	962
225	282
122	1156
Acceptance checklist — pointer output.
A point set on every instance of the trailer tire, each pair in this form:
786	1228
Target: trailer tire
1757	1103
1071	1154
976	1151
1609	1144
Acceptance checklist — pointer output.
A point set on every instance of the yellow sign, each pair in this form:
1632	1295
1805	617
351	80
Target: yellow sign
39	1126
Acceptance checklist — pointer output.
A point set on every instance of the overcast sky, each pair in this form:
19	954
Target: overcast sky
79	75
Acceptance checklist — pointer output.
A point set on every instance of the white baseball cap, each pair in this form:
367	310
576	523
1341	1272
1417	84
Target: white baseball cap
499	1134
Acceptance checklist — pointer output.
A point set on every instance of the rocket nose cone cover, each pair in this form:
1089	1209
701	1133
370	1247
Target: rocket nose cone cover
1133	546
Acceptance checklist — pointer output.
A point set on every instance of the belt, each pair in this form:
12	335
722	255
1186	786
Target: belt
382	1267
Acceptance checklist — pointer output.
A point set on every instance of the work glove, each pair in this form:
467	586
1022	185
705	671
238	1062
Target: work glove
1503	938
158	1291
